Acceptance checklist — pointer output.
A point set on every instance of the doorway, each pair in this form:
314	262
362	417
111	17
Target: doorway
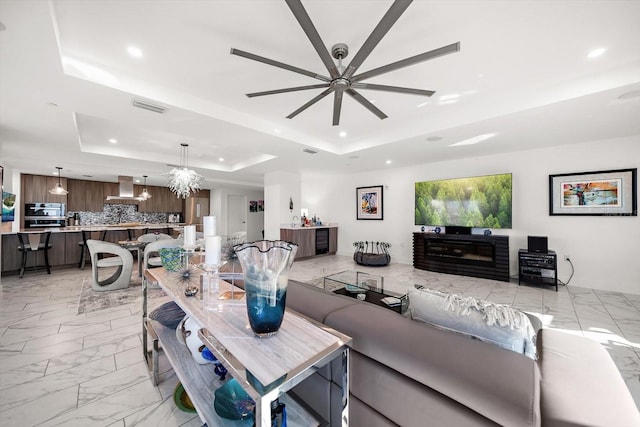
236	214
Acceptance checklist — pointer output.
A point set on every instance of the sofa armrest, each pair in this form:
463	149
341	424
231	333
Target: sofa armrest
580	384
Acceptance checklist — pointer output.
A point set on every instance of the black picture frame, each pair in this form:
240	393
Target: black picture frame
369	203
596	193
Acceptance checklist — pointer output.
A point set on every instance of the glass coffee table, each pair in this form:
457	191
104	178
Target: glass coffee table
365	287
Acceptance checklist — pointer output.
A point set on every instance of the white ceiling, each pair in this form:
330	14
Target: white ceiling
522	74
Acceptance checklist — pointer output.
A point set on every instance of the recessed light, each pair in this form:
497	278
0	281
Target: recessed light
134	51
54	173
596	52
137	181
343	134
388	162
449	97
113	140
423	104
221	159
434	138
474	140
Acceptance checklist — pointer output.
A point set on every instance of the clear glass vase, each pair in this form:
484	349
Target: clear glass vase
265	266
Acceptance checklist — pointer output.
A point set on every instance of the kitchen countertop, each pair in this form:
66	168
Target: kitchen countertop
299	227
114	227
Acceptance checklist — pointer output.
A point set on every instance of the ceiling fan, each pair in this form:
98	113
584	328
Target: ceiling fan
343	79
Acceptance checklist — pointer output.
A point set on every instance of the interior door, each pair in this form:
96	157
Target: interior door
236	214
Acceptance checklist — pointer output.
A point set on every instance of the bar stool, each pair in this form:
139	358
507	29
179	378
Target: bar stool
32	243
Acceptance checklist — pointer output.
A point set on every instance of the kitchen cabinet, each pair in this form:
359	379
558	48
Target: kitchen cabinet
85	196
305	238
12	258
35	189
162	200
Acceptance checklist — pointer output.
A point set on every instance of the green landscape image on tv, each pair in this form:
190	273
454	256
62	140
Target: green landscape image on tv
481	201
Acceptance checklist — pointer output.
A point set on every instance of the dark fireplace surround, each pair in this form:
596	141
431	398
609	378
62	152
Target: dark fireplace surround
466	255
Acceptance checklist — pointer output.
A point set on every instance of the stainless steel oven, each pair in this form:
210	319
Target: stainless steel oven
44	215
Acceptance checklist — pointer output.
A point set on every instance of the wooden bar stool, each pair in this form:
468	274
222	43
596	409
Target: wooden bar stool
33	243
86	235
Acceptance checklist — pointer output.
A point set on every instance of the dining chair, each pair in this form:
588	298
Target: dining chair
33	242
121	258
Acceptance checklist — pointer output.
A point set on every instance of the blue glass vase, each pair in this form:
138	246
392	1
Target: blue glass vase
265	266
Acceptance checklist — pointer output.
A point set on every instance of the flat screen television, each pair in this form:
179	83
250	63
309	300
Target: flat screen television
480	201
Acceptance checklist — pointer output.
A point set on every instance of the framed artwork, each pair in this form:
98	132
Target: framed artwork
612	192
369	202
253	206
260	205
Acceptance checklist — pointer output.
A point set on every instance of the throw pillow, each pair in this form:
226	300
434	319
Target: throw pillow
498	324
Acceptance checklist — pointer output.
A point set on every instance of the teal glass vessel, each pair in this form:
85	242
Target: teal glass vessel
265	266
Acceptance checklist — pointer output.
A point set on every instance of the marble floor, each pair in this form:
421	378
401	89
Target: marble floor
58	367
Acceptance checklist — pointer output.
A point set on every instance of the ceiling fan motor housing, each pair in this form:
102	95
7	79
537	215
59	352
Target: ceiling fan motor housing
340	50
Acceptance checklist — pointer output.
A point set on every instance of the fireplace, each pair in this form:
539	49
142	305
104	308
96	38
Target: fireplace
466	255
472	252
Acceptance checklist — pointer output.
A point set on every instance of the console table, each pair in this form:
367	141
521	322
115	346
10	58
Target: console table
265	367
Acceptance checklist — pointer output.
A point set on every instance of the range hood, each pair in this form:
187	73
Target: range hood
125	188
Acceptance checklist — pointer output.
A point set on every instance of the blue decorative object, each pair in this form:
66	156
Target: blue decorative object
266	265
232	402
171	258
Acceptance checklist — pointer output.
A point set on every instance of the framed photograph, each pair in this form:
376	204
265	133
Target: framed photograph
612	192
253	206
369	202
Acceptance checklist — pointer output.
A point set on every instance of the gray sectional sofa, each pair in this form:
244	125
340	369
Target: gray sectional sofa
408	373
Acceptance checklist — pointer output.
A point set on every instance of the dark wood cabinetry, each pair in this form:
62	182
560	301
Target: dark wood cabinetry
466	255
86	196
35	189
305	238
162	200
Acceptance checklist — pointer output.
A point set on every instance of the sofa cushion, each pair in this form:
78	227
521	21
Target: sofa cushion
581	384
502	386
497	324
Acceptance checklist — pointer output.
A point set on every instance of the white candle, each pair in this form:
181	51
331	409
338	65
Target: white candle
213	245
209	225
189	234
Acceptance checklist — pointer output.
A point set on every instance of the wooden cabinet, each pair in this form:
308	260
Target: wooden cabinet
305	238
35	189
162	200
86	196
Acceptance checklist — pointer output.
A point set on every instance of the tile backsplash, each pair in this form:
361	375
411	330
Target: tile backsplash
116	214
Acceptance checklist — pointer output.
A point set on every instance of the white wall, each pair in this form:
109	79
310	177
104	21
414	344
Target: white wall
255	220
279	187
605	250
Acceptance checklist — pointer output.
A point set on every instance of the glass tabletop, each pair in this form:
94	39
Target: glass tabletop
357	282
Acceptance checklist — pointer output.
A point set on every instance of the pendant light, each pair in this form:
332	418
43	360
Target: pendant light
183	180
58	190
145	194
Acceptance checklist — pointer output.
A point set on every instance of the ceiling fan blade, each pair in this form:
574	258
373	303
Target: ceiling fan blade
395	11
398	89
312	34
310	103
337	107
368	105
278	64
289	89
445	50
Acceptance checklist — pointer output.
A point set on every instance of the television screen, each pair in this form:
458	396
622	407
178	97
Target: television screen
481	201
8	206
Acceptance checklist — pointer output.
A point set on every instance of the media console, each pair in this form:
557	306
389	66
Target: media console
467	255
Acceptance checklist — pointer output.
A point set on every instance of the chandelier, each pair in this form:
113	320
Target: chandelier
183	180
145	194
58	190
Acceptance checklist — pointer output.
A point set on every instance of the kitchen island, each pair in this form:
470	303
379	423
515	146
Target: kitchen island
65	249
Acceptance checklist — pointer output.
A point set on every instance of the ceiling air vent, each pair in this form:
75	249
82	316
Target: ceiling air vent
309	151
148	105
